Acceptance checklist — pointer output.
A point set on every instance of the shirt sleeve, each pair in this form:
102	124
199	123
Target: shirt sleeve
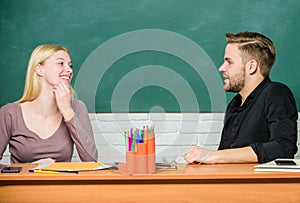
81	132
5	129
282	115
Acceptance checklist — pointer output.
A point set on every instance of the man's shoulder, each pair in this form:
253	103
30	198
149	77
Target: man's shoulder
277	92
278	87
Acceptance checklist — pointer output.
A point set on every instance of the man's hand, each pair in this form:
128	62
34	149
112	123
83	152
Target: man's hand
198	154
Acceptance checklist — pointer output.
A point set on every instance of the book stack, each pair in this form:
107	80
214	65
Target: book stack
279	165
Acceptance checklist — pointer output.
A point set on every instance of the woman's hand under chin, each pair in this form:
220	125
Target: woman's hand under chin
63	97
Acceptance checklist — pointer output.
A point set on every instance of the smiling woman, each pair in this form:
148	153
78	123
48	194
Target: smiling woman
47	121
60	63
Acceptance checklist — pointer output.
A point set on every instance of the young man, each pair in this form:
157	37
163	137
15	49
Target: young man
260	123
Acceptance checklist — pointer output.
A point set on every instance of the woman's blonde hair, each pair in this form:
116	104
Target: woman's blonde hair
39	55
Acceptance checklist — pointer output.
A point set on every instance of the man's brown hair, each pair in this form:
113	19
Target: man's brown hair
255	46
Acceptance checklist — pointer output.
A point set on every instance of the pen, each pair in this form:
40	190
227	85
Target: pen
50	172
42	171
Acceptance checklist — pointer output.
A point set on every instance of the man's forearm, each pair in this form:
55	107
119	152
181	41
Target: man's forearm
237	155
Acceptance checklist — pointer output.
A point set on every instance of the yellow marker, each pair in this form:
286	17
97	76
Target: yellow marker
43	171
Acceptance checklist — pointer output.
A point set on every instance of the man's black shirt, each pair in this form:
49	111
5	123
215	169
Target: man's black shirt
267	121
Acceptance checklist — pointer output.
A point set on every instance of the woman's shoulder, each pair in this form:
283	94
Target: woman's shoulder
12	110
9	107
78	104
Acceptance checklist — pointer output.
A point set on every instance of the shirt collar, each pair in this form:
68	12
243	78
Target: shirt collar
261	85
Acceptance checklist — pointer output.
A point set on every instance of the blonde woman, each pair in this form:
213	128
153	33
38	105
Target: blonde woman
47	121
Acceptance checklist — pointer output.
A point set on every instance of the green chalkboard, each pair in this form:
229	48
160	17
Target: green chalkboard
145	55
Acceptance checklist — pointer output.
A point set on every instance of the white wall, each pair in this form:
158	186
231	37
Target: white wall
175	133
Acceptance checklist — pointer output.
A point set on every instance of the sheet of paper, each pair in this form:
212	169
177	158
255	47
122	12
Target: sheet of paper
73	166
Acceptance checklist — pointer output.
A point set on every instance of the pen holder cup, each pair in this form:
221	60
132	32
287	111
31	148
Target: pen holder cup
130	162
140	154
151	155
141	159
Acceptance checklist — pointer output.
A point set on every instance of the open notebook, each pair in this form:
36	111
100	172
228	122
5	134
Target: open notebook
72	166
280	165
